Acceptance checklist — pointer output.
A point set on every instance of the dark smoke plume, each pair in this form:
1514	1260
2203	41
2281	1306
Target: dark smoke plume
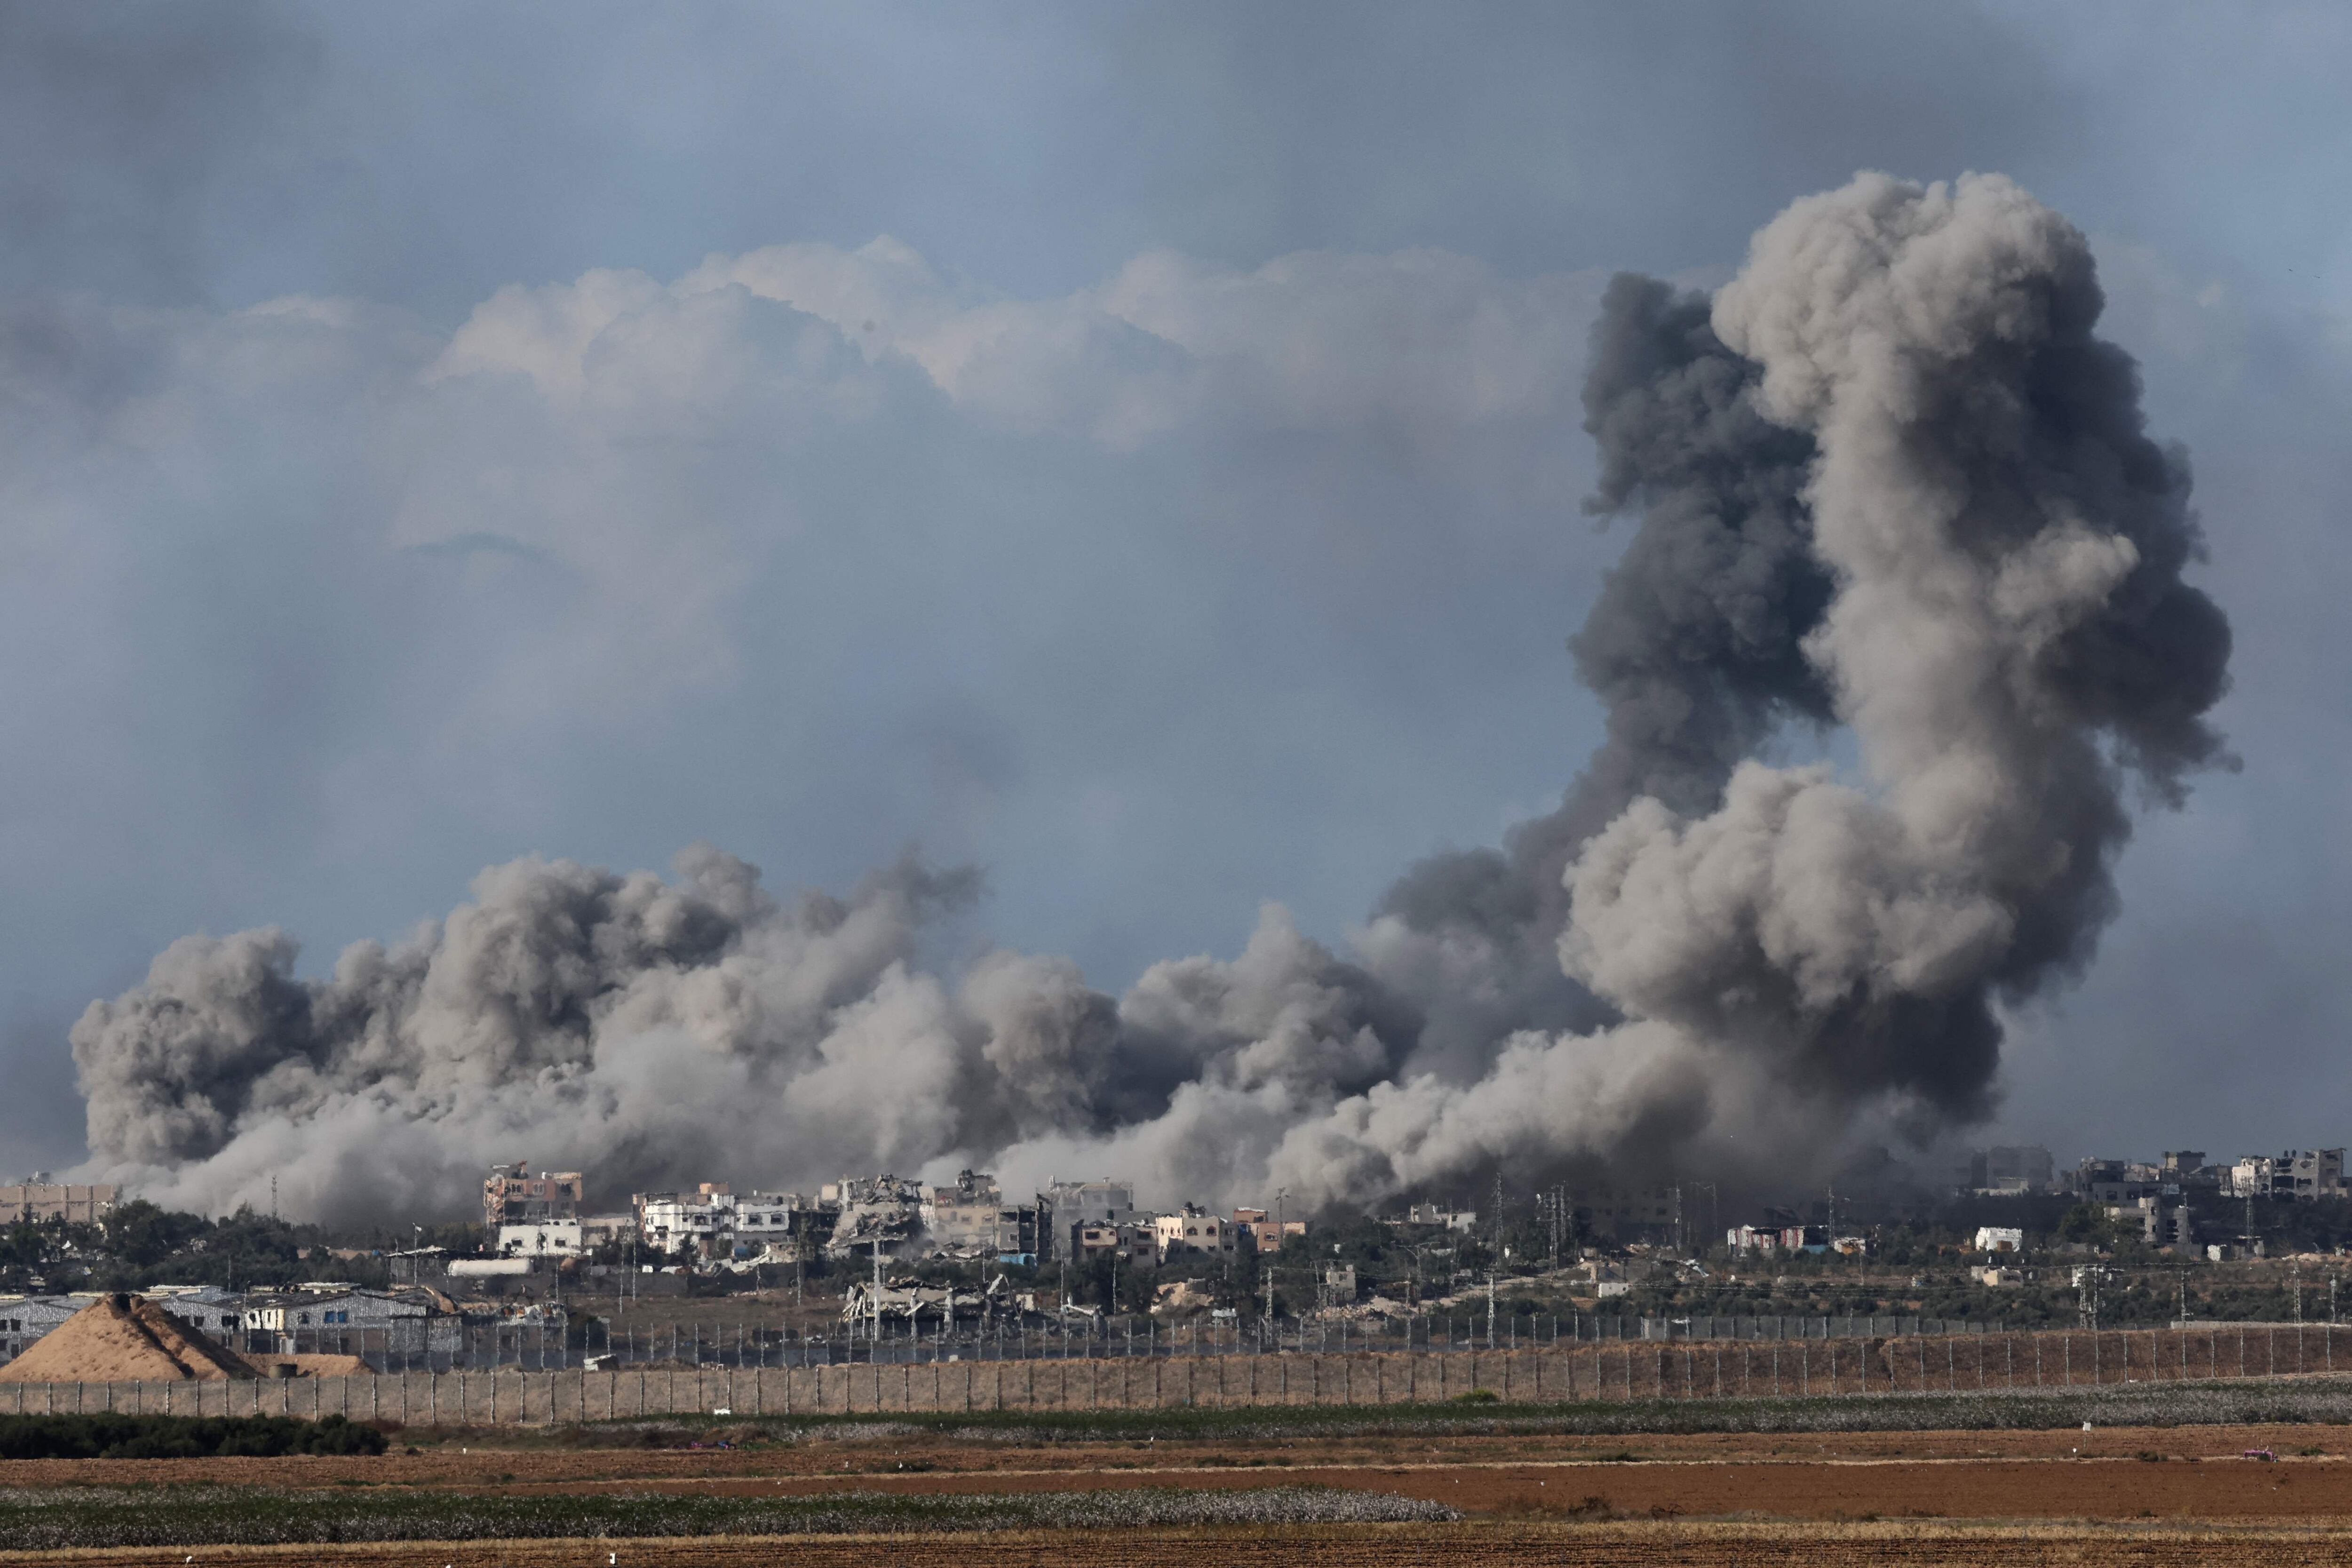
1888	479
1694	645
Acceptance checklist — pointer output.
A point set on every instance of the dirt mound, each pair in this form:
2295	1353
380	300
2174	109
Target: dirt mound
122	1339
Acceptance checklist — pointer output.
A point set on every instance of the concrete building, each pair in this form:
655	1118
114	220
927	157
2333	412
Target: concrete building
971	1219
2115	1181
1064	1206
1462	1220
2311	1175
36	1198
1339	1285
882	1209
1191	1229
2158	1220
1131	1243
2252	1177
1253	1230
715	1221
541	1238
606	1229
512	1196
1999	1238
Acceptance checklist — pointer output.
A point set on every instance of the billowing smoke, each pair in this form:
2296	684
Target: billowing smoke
1888	480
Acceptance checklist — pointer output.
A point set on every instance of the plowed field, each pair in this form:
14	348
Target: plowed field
1618	1545
2147	1496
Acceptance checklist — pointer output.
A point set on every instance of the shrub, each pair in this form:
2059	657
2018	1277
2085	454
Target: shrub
115	1436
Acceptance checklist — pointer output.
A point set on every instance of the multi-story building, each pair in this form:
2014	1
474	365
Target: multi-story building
1191	1229
883	1211
36	1198
1131	1243
1252	1229
2155	1219
1462	1220
1064	1206
971	1219
2310	1174
2252	1177
2115	1181
715	1221
512	1196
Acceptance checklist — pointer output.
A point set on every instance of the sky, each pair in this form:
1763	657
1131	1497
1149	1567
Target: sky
1129	448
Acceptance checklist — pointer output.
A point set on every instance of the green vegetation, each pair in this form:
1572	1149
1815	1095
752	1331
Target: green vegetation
181	1437
2301	1400
142	1245
63	1518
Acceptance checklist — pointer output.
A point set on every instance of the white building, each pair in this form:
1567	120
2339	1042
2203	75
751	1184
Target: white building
542	1238
716	1221
1999	1238
2254	1176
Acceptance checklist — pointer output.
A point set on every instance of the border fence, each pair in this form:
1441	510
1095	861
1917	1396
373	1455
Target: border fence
1623	1369
536	1346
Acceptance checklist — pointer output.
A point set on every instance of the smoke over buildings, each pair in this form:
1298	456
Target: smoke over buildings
1889	481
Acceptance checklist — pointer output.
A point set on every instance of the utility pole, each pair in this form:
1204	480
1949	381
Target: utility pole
1279	1234
1490	1309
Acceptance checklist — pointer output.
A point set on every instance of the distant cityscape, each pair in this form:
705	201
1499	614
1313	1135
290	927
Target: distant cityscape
538	1243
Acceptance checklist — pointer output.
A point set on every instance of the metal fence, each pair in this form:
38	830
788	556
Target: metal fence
1612	1370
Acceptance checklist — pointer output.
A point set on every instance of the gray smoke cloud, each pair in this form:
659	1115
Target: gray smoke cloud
1888	479
1694	645
2009	640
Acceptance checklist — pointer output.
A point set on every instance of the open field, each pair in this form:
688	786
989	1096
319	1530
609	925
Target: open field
1610	1545
1429	1486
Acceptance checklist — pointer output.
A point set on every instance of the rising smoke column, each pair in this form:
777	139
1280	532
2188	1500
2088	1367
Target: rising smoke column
1693	647
2008	639
1888	478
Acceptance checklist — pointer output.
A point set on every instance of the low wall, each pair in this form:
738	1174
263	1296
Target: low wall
1616	1371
